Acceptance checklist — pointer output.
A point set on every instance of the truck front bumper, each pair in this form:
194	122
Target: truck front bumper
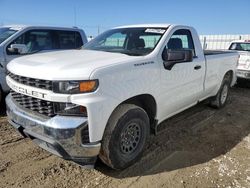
243	74
60	135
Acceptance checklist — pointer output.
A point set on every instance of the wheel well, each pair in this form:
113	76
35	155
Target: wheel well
148	103
229	74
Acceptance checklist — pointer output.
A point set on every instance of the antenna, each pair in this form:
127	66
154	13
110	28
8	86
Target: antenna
98	29
74	16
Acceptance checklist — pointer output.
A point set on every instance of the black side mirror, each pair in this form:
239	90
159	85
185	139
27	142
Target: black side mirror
172	57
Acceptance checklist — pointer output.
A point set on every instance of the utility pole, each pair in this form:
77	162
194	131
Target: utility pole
98	29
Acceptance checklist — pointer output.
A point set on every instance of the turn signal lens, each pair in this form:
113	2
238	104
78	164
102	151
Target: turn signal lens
88	86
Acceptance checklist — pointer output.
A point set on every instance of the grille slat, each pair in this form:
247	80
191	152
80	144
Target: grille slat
42	84
37	105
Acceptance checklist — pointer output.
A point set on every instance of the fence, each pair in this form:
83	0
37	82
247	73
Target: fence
220	42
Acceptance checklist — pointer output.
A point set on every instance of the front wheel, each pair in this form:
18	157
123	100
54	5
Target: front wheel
220	100
125	136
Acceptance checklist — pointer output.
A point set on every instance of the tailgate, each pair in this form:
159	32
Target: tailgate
244	61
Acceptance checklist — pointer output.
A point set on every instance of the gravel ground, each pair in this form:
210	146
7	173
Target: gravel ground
201	147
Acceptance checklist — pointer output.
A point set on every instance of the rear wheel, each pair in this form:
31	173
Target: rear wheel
1	95
220	100
125	136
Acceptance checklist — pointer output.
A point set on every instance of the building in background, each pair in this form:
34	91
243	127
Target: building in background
220	42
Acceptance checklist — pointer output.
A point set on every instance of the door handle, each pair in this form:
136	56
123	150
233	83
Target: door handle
197	67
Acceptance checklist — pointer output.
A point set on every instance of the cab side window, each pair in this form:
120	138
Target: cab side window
78	40
69	40
35	40
181	40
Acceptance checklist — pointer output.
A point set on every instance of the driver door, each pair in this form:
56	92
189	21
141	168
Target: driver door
183	84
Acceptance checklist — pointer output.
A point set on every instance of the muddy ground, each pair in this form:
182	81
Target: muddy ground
201	147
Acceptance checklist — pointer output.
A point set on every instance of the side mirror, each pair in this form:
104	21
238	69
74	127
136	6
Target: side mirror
18	48
172	57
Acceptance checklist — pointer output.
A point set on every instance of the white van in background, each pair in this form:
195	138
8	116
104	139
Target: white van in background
16	41
243	47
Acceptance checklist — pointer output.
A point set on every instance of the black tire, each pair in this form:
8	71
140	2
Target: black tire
125	136
1	96
220	100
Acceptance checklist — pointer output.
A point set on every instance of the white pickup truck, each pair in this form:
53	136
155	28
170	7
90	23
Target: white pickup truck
103	100
20	40
243	48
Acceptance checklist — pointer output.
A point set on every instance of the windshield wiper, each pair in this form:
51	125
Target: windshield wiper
130	53
34	52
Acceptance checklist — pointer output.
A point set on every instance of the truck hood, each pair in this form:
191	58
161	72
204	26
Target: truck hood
65	65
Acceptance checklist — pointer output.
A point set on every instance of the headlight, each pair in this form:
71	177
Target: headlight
75	87
70	109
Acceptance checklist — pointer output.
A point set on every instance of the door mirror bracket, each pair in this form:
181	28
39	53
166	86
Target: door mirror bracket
172	57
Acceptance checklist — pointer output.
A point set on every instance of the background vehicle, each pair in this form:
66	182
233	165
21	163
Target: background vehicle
243	47
103	100
16	41
221	41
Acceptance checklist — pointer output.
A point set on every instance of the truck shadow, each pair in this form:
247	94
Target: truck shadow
243	83
193	137
2	108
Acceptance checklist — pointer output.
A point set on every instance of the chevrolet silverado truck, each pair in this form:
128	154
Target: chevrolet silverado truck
243	48
19	40
103	100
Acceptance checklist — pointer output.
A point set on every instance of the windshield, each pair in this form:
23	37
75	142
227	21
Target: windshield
240	46
5	33
130	41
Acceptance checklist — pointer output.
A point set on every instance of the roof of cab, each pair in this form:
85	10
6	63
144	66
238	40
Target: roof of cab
19	27
145	25
241	41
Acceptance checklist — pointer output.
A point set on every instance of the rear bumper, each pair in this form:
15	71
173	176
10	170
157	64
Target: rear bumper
60	135
243	74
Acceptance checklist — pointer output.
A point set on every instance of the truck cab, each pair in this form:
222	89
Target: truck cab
18	40
243	48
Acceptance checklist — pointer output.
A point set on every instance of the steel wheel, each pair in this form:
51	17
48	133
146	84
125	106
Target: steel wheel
224	94
130	138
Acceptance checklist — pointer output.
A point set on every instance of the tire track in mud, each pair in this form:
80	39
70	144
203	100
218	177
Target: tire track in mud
8	133
11	141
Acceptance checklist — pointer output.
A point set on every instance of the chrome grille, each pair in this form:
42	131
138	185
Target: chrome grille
37	105
42	84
